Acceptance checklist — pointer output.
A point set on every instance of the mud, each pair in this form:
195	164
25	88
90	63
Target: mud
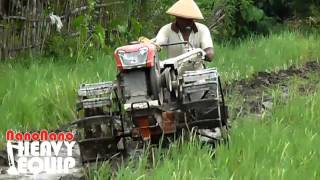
265	79
253	90
3	159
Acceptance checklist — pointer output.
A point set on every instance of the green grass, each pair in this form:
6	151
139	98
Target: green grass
284	144
266	53
40	93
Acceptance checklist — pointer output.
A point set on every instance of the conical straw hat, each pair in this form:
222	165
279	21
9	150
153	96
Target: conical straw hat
186	9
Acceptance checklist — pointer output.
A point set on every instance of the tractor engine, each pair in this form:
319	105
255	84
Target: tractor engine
138	87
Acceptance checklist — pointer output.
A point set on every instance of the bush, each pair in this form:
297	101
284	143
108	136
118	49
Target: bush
140	17
241	18
244	17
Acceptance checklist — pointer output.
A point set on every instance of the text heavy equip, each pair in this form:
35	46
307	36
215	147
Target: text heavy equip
150	100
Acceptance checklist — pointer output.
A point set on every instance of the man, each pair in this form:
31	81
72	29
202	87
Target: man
196	34
185	29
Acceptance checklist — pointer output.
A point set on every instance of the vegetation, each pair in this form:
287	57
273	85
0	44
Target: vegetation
41	92
265	53
229	20
280	145
242	18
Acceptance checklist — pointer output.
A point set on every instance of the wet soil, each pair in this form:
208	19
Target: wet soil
266	79
252	93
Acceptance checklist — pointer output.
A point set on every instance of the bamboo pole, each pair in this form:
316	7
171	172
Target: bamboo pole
24	31
44	28
10	35
27	24
5	44
1	42
33	28
39	25
69	4
47	30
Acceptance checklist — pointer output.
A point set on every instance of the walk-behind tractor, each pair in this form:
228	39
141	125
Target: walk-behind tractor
149	101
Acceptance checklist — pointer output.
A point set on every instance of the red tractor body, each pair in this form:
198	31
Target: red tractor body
135	56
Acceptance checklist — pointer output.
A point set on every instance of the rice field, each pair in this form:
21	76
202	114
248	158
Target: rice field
41	92
282	144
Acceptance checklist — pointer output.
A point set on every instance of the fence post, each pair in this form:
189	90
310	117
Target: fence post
3	52
3	43
1	39
33	16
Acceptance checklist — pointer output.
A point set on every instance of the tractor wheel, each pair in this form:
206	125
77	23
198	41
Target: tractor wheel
155	78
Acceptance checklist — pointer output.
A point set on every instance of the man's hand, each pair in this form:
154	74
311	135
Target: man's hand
209	54
143	39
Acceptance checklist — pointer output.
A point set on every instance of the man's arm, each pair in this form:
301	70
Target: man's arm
162	37
206	43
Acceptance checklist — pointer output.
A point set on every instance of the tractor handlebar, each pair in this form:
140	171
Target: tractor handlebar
172	44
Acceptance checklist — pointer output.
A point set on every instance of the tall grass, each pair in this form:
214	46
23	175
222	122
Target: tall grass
265	53
282	145
40	93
